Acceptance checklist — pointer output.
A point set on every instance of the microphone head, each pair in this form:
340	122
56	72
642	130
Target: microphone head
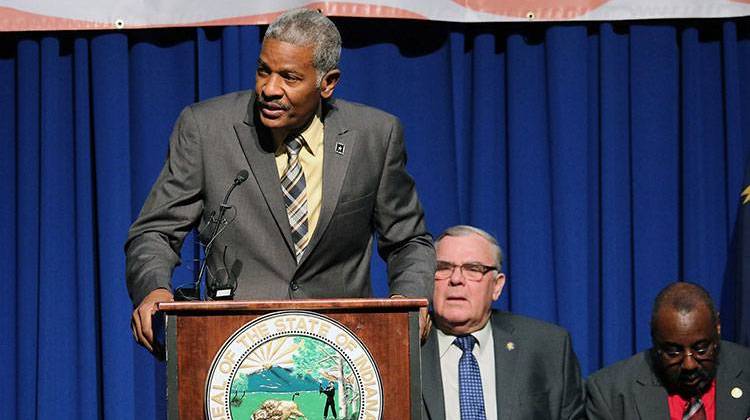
241	177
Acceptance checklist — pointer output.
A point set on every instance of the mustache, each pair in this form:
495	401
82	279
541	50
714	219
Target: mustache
271	104
696	374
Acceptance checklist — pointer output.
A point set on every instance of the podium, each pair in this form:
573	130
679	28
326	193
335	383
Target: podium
293	359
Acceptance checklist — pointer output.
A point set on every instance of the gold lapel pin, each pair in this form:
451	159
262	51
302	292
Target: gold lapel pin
510	346
736	392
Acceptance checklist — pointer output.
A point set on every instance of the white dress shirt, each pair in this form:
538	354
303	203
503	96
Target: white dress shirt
484	352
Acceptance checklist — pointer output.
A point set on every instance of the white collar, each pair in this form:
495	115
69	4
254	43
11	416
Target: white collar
483	336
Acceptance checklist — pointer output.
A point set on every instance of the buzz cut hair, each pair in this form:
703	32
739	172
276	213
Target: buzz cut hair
303	27
466	230
683	297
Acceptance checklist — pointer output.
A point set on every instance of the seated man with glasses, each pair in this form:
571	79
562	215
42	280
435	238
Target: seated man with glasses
485	364
688	374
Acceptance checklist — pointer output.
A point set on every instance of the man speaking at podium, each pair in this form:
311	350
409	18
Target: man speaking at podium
315	177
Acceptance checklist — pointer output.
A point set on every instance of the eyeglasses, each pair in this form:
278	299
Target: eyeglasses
470	271
700	353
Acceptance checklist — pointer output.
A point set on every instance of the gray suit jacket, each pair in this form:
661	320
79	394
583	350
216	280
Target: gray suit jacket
366	189
538	379
630	390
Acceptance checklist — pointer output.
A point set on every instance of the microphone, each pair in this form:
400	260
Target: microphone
224	291
241	177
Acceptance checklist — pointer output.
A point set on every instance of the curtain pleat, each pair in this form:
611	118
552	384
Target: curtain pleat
607	158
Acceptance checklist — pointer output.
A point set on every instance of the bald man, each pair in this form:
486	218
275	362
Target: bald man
688	374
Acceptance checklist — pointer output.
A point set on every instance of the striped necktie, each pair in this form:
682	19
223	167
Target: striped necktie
694	410
470	396
295	198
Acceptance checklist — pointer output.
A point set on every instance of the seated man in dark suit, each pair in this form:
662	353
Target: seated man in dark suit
485	364
688	374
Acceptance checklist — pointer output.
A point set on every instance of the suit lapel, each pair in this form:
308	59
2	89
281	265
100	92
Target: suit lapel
729	378
506	357
651	397
338	144
432	379
260	157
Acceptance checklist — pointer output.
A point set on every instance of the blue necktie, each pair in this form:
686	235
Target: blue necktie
469	381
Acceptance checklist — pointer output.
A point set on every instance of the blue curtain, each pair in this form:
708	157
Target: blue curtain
608	159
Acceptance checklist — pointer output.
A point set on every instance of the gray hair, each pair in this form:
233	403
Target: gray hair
304	27
466	230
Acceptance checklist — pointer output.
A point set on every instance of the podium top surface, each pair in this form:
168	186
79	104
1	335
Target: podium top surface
403	304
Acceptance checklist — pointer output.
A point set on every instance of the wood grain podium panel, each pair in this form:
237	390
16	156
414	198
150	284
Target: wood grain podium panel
389	328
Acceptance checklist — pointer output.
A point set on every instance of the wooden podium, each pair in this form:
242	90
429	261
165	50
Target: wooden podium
277	340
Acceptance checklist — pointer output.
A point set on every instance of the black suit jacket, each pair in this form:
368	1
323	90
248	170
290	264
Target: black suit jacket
629	389
366	189
537	378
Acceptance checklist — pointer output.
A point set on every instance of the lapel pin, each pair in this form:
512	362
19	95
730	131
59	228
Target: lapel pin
736	392
340	148
510	346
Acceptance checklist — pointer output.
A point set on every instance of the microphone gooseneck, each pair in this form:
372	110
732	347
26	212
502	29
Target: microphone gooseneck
217	218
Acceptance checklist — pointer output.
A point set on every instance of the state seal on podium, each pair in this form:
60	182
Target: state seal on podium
293	365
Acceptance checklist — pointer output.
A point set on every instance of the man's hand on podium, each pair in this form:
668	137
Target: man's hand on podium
425	322
142	321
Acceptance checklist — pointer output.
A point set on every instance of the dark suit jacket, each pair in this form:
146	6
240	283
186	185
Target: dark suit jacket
630	390
538	379
366	189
